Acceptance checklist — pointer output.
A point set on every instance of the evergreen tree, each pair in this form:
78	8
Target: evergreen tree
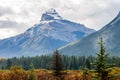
101	65
88	65
8	64
57	64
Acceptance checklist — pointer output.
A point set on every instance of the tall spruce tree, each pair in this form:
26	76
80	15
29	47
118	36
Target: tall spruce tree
101	64
57	64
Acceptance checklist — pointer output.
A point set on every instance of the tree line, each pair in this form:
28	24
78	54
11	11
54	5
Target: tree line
45	62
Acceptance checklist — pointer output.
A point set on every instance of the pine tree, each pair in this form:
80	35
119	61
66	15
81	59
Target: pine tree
57	64
101	65
88	65
8	64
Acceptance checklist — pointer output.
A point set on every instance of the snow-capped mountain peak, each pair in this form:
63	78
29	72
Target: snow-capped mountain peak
49	34
50	14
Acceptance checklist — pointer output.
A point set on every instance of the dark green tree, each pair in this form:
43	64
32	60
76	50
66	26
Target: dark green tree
101	64
8	64
57	64
88	65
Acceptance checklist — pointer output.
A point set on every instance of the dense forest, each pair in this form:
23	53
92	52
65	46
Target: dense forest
45	62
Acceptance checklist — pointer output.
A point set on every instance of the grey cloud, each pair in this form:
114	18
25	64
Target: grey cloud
18	27
94	14
8	24
5	10
55	3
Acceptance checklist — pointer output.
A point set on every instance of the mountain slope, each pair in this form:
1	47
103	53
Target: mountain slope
49	34
89	45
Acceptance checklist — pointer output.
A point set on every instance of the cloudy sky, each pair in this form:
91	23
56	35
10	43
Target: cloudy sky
18	15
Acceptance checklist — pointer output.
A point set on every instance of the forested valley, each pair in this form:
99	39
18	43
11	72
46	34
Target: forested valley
62	67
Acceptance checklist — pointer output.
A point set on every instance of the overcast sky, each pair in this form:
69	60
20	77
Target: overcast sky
18	15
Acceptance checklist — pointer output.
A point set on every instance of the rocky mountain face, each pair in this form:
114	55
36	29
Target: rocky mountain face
49	34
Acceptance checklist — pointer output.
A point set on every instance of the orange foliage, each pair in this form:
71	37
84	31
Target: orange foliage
5	75
17	73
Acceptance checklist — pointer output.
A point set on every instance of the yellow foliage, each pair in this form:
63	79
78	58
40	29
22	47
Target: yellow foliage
17	73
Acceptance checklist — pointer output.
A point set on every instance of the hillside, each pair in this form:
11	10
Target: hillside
89	45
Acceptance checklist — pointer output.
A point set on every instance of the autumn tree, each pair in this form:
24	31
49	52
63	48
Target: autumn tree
17	72
32	74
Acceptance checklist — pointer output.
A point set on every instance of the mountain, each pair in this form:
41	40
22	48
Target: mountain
89	45
50	33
